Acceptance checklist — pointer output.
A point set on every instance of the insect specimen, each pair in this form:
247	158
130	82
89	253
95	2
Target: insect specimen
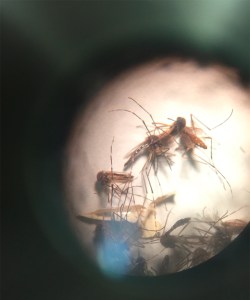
234	226
155	146
114	183
179	223
217	233
160	141
188	138
153	143
121	230
140	268
188	250
143	216
164	267
199	255
128	213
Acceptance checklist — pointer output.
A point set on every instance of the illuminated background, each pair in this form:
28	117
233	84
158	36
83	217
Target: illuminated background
167	88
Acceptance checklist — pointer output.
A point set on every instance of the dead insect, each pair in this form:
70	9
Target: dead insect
144	217
153	141
115	184
170	241
183	247
219	240
219	233
179	223
107	177
155	147
164	267
234	226
118	182
199	256
140	268
188	138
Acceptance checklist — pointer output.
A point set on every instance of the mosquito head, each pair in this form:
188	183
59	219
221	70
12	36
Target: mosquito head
178	125
101	177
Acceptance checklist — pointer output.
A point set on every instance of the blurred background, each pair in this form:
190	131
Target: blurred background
54	57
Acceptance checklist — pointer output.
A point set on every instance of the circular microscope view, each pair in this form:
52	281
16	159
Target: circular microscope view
157	168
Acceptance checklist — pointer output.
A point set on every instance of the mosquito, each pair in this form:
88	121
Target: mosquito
234	226
168	240
206	243
222	232
188	136
140	268
124	227
156	145
114	180
189	140
164	267
183	246
116	184
143	216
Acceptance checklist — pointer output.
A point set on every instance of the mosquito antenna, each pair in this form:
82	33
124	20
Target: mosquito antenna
120	109
151	117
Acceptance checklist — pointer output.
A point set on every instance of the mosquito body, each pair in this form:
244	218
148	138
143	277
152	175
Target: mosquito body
147	145
234	226
115	183
177	224
157	145
168	240
164	267
188	138
199	255
107	178
140	268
